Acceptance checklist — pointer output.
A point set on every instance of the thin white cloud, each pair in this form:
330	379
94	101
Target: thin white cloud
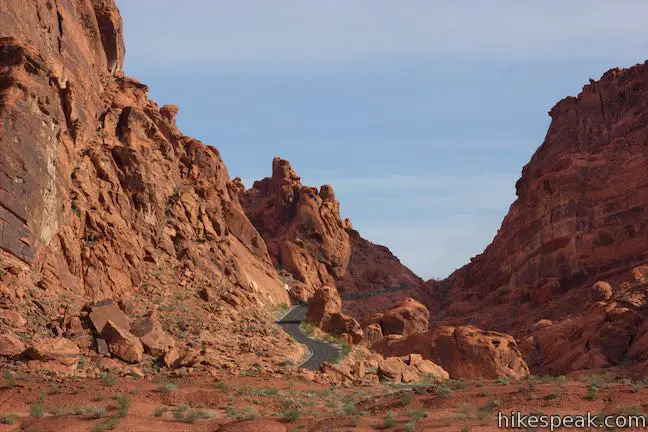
298	32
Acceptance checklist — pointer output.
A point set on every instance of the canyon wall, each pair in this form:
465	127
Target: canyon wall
581	215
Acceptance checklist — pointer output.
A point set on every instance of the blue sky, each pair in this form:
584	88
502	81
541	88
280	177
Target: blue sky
420	113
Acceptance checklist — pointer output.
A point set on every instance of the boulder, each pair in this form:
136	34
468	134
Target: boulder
373	333
464	352
58	350
13	319
429	369
325	301
10	345
341	324
407	317
335	372
122	343
171	357
105	363
106	311
102	347
601	291
391	370
155	340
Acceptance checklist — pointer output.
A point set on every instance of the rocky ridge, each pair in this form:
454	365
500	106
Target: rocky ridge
309	241
578	225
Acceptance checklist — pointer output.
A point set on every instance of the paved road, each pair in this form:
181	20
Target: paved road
322	351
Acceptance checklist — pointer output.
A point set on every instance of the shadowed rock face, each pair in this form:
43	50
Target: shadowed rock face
307	238
581	215
96	182
465	352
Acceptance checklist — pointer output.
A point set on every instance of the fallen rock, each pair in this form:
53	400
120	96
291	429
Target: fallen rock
102	347
155	340
391	370
134	372
13	319
465	352
122	343
429	369
407	317
601	291
10	345
106	311
171	357
105	363
336	373
208	294
343	325
60	350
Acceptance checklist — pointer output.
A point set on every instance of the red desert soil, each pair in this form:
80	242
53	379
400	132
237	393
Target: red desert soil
201	403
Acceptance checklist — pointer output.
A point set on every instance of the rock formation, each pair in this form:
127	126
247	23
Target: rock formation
406	317
325	312
103	198
580	217
465	352
308	239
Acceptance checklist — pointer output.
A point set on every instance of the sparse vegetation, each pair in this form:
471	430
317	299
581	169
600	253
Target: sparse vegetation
10	378
502	381
95	412
246	414
108	379
8	419
406	398
160	411
349	408
592	392
179	412
465	411
123	405
37	409
443	391
167	388
486	410
388	420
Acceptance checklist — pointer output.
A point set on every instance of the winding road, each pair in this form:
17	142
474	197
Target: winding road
320	351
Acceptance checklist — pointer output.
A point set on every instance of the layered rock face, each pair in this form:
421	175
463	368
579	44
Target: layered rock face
581	215
465	352
102	197
97	183
306	237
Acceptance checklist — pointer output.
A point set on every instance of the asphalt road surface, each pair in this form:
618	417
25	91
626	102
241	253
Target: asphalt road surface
321	351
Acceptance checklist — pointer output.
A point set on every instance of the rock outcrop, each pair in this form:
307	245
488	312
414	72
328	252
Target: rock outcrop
464	352
307	238
407	317
97	183
325	312
579	218
102	198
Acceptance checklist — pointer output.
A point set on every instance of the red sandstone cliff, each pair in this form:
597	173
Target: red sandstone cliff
307	238
102	197
581	215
